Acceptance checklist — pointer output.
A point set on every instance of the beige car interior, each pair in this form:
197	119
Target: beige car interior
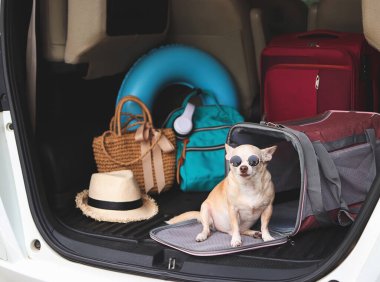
222	28
339	15
371	22
235	32
274	17
74	32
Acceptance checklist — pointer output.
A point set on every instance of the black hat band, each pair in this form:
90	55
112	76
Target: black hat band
117	206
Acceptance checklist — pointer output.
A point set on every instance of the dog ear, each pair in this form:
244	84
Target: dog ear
228	151
267	153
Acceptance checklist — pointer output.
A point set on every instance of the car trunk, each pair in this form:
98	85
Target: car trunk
64	141
58	163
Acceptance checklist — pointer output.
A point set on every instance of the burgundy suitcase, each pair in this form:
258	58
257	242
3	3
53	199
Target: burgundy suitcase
304	74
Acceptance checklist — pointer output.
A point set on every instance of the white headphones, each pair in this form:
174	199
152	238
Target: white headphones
184	123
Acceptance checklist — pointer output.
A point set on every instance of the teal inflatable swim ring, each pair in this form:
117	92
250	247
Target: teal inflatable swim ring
177	64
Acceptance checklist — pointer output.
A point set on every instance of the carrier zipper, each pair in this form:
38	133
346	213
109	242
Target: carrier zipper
271	124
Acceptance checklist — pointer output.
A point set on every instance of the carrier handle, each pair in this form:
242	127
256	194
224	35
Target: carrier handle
321	33
314	191
331	173
371	139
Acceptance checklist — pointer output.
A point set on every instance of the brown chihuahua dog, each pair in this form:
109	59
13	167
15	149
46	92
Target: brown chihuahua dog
239	200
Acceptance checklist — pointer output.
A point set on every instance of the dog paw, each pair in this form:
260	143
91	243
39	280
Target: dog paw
236	242
201	237
253	233
267	237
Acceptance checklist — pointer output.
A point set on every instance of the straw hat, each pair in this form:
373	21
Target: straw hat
116	197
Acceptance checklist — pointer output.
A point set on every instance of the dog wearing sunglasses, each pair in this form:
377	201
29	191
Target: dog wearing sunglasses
240	199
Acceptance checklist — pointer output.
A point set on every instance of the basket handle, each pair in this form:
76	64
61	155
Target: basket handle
117	129
154	143
146	116
139	119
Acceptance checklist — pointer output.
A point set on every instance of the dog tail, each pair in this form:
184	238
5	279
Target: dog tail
185	216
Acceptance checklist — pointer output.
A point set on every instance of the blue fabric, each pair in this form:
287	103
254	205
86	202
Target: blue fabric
203	167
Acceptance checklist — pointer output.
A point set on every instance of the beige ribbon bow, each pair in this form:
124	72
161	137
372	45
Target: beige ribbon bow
147	135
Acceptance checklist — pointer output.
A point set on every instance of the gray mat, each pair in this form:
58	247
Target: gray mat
181	236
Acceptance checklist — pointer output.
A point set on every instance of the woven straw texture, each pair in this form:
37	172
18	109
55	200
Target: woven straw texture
118	146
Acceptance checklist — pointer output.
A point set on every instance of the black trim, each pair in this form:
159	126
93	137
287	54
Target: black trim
70	244
116	206
367	77
4	105
345	142
126	17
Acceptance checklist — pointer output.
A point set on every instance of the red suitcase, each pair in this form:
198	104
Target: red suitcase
304	74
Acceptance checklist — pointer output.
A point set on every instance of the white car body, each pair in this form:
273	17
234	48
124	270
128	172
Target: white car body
20	260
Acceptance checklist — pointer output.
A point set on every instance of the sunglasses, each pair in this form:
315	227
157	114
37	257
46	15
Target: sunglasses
252	160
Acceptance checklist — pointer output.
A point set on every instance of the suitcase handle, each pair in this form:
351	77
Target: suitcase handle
320	33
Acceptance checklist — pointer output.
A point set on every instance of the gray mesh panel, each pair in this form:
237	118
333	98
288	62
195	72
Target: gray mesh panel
357	170
182	235
285	167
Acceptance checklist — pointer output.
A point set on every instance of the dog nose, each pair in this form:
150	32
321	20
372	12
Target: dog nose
243	169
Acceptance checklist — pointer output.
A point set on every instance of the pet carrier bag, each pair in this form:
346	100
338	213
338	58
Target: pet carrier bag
322	170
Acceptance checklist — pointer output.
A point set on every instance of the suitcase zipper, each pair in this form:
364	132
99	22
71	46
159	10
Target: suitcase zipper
311	66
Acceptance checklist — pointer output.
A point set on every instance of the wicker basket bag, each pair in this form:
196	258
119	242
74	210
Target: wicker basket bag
148	152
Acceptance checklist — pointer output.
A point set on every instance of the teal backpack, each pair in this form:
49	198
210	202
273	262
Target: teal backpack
201	154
